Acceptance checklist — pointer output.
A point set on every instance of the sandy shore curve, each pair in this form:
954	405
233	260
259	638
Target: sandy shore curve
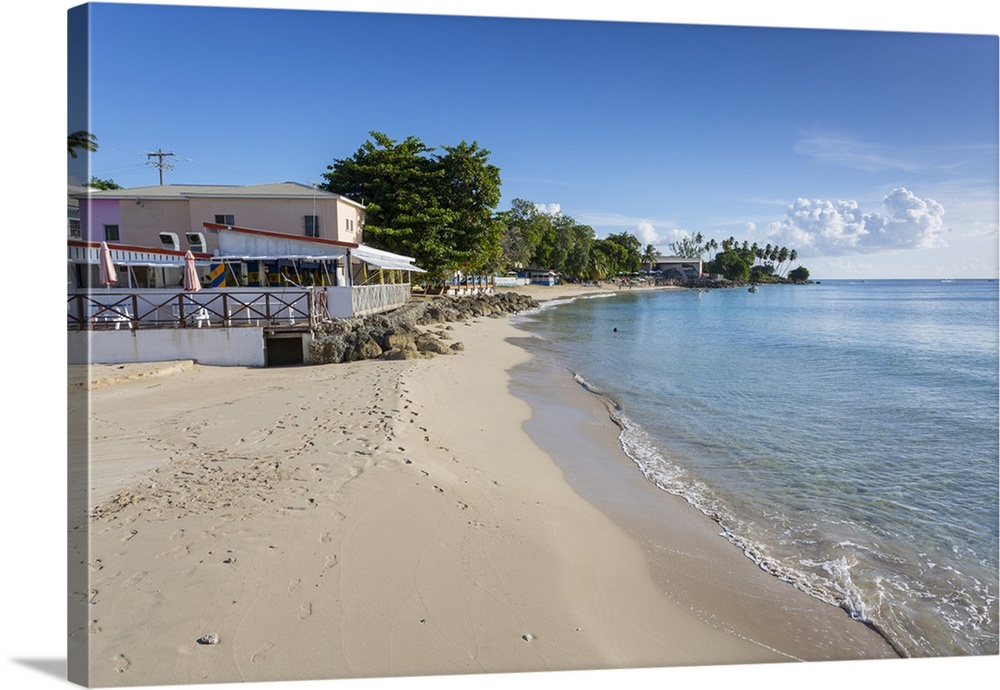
380	519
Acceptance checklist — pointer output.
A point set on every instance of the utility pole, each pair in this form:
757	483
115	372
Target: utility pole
159	155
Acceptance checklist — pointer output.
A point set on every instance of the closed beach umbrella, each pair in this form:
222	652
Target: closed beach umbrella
191	282
109	276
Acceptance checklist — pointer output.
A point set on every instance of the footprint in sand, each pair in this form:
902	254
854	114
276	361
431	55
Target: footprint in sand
121	663
331	561
305	611
261	654
326	538
177	535
179	552
128	535
135	579
294	586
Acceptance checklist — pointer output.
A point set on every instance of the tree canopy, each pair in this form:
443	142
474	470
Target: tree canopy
533	238
800	274
742	261
98	183
81	139
435	207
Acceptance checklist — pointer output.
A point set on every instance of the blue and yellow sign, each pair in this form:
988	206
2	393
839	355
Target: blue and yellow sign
217	276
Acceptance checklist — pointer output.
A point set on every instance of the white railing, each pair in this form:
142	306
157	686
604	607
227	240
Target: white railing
230	307
117	309
372	299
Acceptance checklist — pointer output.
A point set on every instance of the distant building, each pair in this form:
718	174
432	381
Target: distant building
172	217
539	276
678	267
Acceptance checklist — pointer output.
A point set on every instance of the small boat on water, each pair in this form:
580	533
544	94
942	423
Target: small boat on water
754	288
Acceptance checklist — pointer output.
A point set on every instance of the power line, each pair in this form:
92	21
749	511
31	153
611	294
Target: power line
159	155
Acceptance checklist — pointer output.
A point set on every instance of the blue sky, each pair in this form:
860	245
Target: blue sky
872	152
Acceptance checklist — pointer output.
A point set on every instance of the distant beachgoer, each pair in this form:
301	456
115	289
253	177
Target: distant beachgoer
616	329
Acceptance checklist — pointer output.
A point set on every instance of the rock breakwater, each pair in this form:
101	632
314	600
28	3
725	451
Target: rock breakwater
408	332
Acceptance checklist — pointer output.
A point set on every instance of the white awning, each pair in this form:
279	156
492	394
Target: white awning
125	257
294	257
383	259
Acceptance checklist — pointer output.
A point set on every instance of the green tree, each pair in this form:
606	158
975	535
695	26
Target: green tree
781	257
712	245
799	274
98	183
793	256
81	139
732	264
649	256
567	246
523	229
609	258
601	260
437	208
470	190
632	259
689	247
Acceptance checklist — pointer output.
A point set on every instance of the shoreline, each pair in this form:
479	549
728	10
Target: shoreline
691	558
647	513
381	519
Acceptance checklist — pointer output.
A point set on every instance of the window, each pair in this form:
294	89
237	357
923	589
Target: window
349	225
74	227
111	233
225	219
312	225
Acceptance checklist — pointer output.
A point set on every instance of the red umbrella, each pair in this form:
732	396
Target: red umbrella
108	275
191	281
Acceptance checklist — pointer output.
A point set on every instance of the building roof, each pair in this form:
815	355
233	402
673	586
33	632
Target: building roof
677	259
274	190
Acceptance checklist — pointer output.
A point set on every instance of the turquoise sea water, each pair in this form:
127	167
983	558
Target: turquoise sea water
844	434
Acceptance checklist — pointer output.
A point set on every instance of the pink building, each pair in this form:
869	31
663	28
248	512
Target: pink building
172	217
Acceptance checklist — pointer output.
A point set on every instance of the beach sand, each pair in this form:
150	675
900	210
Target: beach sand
380	519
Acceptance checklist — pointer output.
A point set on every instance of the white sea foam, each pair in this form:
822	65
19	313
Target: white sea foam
669	476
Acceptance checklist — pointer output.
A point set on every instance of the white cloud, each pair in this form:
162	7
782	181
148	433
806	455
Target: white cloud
851	153
817	227
646	233
550	209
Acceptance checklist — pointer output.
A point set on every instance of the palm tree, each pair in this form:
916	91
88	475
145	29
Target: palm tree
711	246
782	257
600	263
81	139
650	255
